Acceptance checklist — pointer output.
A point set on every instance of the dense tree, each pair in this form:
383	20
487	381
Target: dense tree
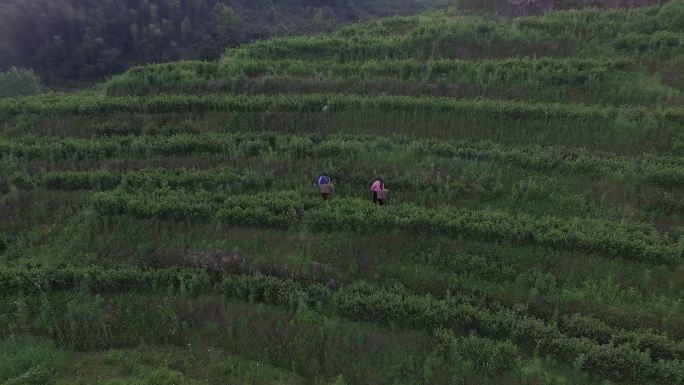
91	39
18	82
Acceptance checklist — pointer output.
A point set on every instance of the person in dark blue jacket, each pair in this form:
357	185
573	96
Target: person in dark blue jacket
325	185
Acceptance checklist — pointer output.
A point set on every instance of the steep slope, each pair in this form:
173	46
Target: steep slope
167	229
86	40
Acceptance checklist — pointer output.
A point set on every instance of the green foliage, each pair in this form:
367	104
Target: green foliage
90	105
128	361
609	238
168	227
613	239
163	376
534	79
18	82
665	170
263	209
29	360
226	179
403	308
452	35
488	358
82	40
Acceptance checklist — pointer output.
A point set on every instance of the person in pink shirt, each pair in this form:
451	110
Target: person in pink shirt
378	185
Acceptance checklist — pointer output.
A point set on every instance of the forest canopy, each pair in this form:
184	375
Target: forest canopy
91	39
88	40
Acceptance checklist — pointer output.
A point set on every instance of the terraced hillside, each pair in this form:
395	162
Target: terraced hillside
166	227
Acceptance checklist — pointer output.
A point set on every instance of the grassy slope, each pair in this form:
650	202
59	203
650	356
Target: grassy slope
569	268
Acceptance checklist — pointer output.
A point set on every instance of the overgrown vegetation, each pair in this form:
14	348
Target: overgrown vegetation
18	82
79	40
166	227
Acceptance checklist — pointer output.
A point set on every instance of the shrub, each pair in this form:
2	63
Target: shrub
18	82
163	376
29	360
